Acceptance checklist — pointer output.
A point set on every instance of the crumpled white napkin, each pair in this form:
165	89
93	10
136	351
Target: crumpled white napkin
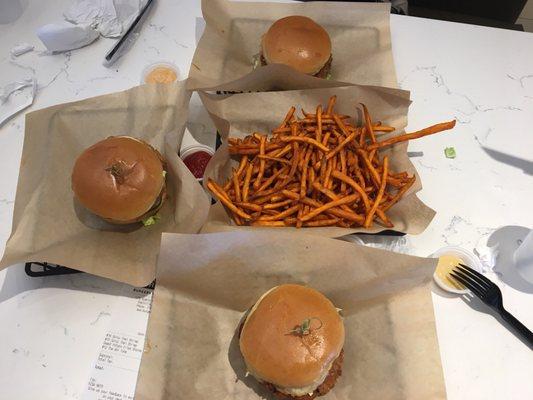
487	255
15	97
64	36
109	17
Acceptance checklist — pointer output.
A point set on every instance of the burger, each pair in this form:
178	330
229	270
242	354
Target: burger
300	43
292	342
120	179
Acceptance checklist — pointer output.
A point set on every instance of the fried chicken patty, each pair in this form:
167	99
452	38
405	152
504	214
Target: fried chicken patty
323	73
334	372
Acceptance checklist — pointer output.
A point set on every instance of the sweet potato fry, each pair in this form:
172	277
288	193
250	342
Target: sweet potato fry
399	194
368	124
370	215
242	165
370	168
352	216
288	117
236	187
444	126
327	206
217	191
319	170
259	176
318	132
277	159
267	223
331	104
322	222
249	206
341	145
304	139
381	128
272	178
281	215
273	206
354	185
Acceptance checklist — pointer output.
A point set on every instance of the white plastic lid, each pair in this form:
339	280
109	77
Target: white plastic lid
469	259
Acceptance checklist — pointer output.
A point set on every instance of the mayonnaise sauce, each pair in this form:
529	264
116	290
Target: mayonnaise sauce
445	266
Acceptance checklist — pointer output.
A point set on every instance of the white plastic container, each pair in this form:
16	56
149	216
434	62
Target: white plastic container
469	259
165	64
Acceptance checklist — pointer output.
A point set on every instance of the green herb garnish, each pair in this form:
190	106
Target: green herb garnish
305	327
449	152
151	220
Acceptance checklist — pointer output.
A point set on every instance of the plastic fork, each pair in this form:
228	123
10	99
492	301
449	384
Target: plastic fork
491	295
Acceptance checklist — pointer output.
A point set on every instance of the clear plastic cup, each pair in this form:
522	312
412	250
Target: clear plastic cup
165	64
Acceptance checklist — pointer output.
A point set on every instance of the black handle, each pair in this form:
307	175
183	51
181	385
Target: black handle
518	326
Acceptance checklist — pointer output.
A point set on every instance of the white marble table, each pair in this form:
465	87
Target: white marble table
51	327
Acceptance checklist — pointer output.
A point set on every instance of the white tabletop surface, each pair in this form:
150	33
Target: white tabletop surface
51	327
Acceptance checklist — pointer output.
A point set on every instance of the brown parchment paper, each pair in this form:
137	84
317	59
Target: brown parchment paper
360	36
46	226
241	114
205	283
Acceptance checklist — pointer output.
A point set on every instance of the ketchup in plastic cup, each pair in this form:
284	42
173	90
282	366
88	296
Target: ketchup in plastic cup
195	155
196	162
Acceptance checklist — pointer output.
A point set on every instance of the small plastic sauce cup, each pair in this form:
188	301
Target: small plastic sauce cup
160	72
466	256
197	164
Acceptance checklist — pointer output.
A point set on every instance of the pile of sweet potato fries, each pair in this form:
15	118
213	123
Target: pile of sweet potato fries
317	170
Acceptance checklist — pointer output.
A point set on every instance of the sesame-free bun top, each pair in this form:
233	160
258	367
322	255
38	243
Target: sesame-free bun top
298	42
295	364
118	178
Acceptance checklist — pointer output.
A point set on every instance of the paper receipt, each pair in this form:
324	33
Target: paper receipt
114	374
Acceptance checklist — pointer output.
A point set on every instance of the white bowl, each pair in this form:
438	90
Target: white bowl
469	259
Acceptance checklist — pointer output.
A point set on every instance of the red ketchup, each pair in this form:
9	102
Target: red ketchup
196	162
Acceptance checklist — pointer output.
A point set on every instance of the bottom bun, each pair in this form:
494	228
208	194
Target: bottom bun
334	372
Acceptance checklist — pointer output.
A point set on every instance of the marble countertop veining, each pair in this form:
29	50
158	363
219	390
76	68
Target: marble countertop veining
483	77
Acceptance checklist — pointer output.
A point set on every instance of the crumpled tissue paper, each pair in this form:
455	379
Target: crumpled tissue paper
65	36
15	97
487	255
109	17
